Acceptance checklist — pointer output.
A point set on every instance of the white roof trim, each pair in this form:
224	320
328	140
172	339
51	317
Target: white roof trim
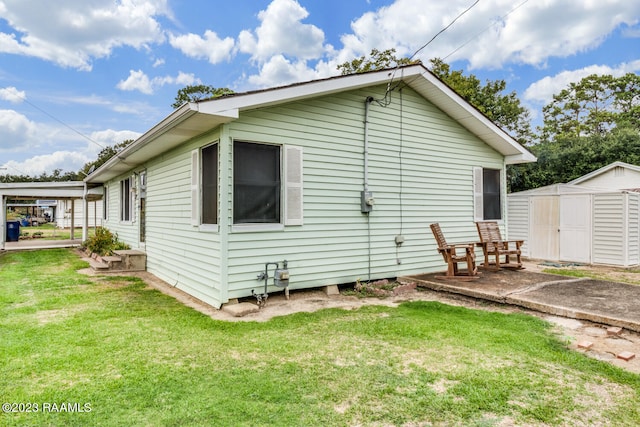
187	121
49	190
603	170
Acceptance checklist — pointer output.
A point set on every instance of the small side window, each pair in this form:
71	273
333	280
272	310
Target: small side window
487	194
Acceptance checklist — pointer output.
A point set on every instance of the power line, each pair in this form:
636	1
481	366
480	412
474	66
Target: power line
444	29
60	121
485	29
385	101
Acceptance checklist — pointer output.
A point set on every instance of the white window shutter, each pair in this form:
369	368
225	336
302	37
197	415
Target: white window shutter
195	187
293	202
478	207
132	198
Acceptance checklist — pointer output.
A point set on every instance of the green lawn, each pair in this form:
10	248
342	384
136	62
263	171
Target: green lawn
134	356
50	232
614	274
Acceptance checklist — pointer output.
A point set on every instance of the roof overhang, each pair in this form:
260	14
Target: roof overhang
456	107
195	118
49	190
183	124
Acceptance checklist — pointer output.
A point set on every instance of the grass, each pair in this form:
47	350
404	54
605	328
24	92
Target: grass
138	357
623	275
50	232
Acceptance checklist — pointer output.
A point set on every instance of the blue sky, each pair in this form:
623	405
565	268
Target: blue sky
78	75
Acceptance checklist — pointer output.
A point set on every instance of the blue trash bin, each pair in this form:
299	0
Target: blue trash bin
13	231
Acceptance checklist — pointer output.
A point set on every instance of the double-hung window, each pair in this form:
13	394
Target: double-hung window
266	184
487	194
210	184
127	199
256	183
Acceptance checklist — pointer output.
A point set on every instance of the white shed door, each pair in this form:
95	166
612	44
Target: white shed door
544	242
575	228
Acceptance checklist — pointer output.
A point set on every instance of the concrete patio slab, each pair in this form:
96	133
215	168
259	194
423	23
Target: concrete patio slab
31	244
610	303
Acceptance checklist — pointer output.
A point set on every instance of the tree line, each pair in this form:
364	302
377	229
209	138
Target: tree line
589	124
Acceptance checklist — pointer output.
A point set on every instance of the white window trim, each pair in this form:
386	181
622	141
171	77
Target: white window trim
478	195
105	203
246	228
196	216
132	201
291	181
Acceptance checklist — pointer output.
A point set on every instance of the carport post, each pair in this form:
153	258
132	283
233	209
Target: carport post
3	221
85	213
73	217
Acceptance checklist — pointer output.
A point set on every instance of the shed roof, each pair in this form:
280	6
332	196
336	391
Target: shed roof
603	170
558	189
195	118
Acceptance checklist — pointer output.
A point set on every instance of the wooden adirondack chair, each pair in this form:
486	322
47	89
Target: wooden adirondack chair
493	246
454	254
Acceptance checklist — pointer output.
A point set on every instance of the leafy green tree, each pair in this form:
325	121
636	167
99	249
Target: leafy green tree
627	100
377	60
587	125
503	109
571	156
194	93
593	106
104	155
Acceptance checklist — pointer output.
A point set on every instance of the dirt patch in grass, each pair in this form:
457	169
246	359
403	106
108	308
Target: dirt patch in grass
53	316
572	332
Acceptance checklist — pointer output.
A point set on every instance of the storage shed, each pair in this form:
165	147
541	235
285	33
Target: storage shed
593	219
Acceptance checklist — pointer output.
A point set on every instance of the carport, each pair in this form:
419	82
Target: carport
69	190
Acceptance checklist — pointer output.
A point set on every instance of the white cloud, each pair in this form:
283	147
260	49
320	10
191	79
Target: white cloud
18	132
209	47
491	34
67	161
39	147
12	94
112	137
139	81
281	32
279	70
542	91
74	32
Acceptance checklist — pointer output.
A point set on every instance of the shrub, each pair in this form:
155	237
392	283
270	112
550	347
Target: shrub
103	242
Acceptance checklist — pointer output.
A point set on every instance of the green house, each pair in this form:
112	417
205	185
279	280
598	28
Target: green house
338	177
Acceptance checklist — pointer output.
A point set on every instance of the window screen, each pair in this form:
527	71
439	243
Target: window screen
210	184
491	193
256	183
126	195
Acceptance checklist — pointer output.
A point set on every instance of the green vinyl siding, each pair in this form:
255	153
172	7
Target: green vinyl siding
434	167
420	171
182	255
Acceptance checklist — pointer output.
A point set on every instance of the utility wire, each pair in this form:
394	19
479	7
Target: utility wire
61	122
386	101
444	29
485	29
